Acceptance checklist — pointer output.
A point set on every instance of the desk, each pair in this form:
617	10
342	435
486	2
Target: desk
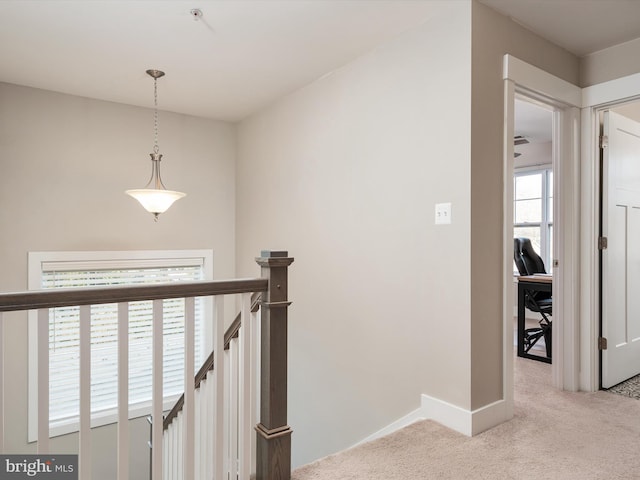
532	283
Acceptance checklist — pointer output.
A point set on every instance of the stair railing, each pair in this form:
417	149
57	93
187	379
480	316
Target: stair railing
273	444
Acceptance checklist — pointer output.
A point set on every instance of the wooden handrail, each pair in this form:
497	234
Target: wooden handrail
207	366
93	296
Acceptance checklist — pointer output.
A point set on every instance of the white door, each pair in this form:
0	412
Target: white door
621	257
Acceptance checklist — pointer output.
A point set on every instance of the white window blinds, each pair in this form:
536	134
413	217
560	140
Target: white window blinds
64	334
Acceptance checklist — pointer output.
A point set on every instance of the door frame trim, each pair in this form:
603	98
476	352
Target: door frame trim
521	78
530	80
595	99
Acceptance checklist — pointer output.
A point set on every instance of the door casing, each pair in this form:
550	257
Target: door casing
534	84
595	99
578	368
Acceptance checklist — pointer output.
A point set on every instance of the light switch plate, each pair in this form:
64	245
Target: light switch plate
443	213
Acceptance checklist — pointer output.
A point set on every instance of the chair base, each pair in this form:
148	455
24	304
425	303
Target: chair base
532	335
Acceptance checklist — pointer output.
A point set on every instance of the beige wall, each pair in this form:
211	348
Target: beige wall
493	36
611	63
64	165
345	174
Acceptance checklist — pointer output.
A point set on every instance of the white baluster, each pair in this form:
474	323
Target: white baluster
84	457
189	388
179	447
255	385
209	458
203	424
205	448
123	391
232	432
43	380
218	403
2	364
175	439
245	391
166	446
157	394
198	473
226	454
171	452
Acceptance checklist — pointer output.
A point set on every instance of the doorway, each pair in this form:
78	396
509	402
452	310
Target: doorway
577	366
533	216
595	100
537	86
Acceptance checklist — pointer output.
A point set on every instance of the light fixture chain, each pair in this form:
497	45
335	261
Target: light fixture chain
156	149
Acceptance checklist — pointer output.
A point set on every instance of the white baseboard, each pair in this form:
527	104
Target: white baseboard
451	416
447	414
397	425
467	422
490	416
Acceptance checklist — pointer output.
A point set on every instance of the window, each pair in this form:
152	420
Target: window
102	269
533	211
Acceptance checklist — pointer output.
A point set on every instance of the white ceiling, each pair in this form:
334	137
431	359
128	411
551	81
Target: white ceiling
239	57
243	54
532	122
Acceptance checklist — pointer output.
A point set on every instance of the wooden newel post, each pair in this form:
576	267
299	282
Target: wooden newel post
274	435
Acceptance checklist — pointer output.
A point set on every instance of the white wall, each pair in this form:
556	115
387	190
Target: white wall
64	165
345	174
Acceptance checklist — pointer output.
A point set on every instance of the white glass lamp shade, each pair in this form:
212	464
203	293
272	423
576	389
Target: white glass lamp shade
155	201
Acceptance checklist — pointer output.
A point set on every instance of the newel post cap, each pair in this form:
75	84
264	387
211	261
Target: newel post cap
274	258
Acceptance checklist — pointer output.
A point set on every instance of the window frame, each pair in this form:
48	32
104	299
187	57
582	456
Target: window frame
38	261
546	222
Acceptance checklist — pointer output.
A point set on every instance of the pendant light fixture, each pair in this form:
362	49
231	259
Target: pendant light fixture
154	197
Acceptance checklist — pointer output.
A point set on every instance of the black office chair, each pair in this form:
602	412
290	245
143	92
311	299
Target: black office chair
529	263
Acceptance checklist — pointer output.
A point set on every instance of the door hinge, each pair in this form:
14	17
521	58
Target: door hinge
602	243
602	343
604	141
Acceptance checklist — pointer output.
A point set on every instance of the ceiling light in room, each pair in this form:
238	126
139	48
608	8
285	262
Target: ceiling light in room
154	197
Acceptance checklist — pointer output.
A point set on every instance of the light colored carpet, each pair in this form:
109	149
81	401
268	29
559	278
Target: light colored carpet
554	435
